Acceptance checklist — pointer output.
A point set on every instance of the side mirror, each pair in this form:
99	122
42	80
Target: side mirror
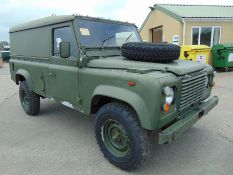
64	49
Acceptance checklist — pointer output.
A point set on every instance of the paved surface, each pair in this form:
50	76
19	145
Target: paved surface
61	141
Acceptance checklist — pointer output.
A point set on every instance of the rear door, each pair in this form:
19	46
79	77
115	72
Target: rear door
63	72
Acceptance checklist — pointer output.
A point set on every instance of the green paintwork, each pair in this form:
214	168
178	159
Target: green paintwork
178	67
65	49
115	138
50	20
221	54
175	130
95	73
26	75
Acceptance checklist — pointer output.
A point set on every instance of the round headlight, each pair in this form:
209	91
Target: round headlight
169	94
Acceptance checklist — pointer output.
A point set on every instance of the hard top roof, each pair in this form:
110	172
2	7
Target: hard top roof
56	20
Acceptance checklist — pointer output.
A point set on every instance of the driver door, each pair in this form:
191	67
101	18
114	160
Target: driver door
63	72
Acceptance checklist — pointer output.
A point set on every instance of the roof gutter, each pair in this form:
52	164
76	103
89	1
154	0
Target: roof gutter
184	29
207	19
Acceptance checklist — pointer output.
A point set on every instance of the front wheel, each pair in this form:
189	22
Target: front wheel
30	101
120	137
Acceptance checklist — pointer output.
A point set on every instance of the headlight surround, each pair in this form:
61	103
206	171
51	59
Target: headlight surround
210	81
169	98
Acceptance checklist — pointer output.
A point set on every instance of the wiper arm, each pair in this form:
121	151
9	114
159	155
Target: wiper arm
128	37
105	41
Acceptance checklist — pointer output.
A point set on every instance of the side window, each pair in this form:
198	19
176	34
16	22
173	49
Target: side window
64	34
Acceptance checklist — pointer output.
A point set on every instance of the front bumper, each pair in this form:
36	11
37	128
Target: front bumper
178	128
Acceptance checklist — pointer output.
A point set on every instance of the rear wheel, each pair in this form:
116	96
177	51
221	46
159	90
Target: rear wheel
120	137
30	101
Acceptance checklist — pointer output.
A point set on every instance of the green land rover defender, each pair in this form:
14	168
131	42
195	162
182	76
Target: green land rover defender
102	67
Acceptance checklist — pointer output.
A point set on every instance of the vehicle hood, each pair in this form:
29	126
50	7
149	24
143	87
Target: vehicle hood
178	67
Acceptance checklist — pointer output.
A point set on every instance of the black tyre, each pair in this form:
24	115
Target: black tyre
150	52
30	101
120	136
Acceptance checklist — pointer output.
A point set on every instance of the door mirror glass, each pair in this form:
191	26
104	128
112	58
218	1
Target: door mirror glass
65	49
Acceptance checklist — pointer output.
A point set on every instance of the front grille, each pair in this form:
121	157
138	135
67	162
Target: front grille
192	89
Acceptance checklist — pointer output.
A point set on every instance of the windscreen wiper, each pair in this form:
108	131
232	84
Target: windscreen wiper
105	41
128	37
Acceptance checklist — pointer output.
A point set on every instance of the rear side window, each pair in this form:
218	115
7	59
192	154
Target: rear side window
64	34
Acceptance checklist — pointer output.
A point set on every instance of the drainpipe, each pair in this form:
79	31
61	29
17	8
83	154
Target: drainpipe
184	28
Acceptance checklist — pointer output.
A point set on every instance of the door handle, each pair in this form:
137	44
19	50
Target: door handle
52	74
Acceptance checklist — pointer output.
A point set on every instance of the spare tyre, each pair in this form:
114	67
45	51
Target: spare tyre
150	52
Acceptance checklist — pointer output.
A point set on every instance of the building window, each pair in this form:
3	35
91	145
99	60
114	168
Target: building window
216	35
206	35
195	36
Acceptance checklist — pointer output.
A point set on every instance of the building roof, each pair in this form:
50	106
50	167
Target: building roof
179	12
196	11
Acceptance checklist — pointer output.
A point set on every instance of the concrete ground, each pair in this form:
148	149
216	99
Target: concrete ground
61	141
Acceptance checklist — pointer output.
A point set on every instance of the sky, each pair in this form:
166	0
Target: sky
14	12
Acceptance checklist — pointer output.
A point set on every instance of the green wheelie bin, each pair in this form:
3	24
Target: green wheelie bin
222	55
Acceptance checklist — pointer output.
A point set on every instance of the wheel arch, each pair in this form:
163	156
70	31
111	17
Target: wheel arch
104	94
22	75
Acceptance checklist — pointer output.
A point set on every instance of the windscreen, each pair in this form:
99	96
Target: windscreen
100	34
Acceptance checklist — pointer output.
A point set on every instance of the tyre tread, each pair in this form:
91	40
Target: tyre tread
34	99
142	136
150	52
